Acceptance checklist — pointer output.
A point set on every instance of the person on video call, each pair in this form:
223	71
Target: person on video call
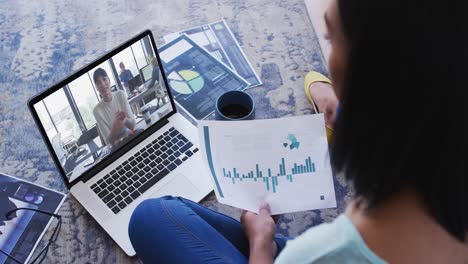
154	73
113	114
160	94
125	75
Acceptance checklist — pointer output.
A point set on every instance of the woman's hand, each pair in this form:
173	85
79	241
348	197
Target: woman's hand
260	230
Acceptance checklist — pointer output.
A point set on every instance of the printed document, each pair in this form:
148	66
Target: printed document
284	162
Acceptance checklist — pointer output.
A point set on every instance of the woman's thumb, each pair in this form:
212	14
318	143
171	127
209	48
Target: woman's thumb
264	209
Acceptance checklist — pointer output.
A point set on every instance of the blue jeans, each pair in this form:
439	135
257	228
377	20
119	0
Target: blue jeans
176	230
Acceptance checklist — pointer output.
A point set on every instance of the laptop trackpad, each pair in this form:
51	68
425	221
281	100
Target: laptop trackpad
179	186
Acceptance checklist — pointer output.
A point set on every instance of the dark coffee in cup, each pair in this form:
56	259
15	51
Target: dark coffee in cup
235	105
235	111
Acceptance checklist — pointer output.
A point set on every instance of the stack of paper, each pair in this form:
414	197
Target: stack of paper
22	231
202	63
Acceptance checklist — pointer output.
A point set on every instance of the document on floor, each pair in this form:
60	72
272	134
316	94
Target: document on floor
195	77
22	230
284	162
218	39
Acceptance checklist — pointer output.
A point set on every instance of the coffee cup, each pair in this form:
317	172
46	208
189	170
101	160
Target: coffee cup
235	105
145	111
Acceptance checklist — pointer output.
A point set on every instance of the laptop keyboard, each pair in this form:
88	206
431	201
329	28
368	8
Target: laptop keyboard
141	171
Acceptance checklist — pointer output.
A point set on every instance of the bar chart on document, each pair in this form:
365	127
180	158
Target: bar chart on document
284	162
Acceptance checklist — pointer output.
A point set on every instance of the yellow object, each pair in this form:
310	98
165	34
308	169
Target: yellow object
310	78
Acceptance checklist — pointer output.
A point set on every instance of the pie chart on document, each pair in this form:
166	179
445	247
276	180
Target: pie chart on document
186	81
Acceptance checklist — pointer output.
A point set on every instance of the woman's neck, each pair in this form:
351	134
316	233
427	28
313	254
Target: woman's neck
402	231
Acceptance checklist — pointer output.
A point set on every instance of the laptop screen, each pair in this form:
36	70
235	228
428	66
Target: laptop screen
86	121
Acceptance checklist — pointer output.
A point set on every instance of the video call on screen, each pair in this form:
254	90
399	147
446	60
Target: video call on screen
105	108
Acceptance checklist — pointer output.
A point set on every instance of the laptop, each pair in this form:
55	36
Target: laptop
109	159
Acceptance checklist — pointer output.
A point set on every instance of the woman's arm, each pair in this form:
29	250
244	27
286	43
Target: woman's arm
262	252
260	230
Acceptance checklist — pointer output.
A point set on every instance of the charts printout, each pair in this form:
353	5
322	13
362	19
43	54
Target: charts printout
217	38
284	162
195	77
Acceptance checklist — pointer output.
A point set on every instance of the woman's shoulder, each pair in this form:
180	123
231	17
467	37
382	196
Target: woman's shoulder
335	242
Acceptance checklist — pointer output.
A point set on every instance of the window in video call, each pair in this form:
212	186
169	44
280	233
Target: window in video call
105	108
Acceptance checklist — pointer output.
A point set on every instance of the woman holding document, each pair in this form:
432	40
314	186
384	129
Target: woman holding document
399	72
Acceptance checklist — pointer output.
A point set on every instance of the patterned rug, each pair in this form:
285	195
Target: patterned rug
43	41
